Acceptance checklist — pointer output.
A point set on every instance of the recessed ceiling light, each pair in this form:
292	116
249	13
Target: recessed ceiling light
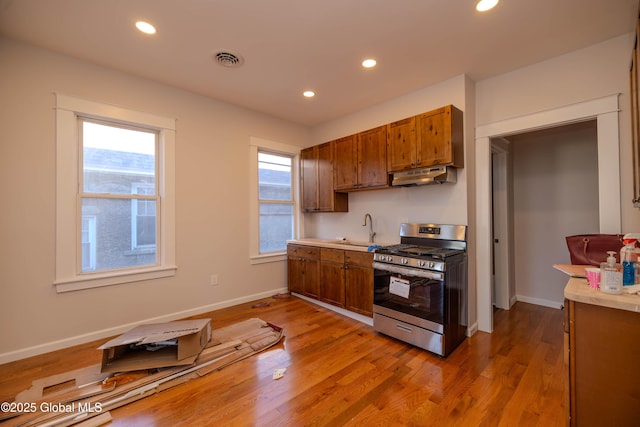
145	27
369	63
484	5
308	94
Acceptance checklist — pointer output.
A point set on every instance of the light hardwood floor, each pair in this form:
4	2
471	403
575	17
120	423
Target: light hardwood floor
342	373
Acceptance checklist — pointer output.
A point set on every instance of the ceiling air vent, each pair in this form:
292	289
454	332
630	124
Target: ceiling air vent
228	59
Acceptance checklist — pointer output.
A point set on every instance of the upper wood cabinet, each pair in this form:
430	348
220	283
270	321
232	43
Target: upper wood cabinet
317	181
402	151
360	161
430	139
345	166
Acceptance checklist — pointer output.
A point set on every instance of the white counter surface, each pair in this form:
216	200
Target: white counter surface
348	245
578	290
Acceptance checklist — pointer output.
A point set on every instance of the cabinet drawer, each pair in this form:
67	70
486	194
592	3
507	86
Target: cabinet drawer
309	252
361	259
332	255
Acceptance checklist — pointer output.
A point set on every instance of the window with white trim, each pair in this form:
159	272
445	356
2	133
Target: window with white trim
115	201
275	198
273	193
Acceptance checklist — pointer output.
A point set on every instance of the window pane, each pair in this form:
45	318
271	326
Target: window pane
88	243
114	158
276	226
119	234
274	176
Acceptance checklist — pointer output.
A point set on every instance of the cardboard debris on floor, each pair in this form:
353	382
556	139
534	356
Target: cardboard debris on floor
156	345
104	392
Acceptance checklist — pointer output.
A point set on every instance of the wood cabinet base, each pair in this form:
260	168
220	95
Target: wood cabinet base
602	349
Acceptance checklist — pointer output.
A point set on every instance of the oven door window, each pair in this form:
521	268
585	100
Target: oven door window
416	296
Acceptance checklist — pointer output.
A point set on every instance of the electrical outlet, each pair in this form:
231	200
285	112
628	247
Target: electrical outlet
213	280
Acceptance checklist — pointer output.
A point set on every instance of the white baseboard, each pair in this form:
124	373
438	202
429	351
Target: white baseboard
472	329
351	314
539	301
116	330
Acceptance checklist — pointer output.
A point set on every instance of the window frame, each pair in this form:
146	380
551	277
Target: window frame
263	202
135	246
68	213
271	147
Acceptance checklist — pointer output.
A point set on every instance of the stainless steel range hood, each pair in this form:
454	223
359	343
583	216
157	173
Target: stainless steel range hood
424	176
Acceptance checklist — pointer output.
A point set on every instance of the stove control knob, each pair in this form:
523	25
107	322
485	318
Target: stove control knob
422	264
404	261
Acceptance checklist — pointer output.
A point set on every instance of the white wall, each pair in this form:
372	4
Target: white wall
594	72
550	90
212	213
555	191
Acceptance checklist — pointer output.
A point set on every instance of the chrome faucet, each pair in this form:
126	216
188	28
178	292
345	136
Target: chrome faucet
371	232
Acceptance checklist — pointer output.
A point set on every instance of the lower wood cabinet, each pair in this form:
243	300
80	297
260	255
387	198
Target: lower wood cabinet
602	349
358	291
303	270
332	276
342	278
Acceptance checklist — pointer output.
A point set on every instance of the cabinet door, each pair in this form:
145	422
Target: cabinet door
309	178
328	199
311	280
295	275
345	163
604	344
359	290
439	136
359	282
332	283
372	158
434	143
401	144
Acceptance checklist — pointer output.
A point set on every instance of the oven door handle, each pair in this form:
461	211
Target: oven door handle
415	272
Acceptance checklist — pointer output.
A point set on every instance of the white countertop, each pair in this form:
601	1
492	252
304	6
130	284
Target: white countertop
348	245
578	290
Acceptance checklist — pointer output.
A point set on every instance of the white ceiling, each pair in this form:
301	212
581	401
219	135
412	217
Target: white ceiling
293	45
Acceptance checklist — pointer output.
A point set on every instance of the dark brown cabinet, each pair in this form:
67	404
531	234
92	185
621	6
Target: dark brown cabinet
303	270
332	276
402	149
318	195
358	292
434	138
602	346
361	161
338	277
440	137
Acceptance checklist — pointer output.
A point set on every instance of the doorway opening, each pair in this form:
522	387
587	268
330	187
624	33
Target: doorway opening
544	187
605	112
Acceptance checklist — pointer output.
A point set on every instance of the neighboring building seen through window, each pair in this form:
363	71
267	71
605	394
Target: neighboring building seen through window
276	203
118	196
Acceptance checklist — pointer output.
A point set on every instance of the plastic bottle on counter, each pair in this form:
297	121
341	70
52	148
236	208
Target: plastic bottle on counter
611	275
629	258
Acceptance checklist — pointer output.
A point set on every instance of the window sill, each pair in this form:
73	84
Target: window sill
113	278
263	259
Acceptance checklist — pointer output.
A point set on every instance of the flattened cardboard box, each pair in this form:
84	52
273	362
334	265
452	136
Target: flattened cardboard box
128	352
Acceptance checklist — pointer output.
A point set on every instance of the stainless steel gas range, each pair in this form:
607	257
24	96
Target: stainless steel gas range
420	287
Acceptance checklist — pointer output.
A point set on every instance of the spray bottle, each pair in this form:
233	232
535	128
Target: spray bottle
629	258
